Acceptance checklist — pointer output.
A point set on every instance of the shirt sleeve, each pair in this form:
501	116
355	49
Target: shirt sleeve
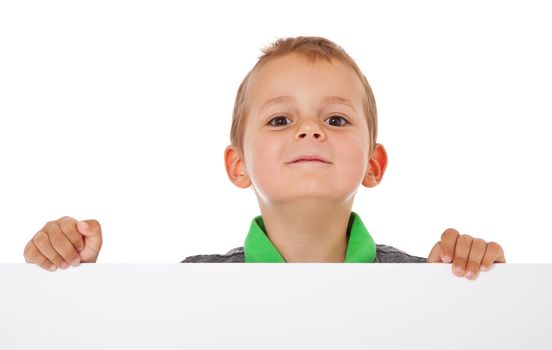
389	254
235	255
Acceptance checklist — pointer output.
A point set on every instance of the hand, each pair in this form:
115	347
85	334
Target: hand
65	242
468	254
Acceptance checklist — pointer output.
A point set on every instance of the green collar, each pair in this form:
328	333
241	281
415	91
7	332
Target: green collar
259	248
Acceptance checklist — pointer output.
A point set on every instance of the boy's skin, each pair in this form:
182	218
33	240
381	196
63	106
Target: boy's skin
305	205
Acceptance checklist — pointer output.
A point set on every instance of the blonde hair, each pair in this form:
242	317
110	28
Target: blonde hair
312	48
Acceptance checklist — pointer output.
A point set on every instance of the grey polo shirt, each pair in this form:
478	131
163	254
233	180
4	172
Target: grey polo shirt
259	248
384	254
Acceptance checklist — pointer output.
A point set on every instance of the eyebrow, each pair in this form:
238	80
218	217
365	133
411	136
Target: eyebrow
286	99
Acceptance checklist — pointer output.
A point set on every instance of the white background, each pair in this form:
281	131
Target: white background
121	111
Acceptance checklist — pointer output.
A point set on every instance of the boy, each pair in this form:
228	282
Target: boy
304	136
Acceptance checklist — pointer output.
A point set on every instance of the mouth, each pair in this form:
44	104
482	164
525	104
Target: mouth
310	159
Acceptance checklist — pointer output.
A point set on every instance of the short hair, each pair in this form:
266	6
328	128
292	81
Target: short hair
313	48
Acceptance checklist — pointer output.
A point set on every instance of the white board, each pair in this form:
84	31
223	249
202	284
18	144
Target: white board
274	306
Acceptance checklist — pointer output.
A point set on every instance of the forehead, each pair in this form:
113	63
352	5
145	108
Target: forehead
295	75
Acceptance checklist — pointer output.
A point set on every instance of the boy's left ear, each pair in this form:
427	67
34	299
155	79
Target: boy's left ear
376	167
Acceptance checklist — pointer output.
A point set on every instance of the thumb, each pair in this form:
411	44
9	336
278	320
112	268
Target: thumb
92	232
434	256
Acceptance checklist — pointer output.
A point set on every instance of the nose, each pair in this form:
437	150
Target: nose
309	128
315	134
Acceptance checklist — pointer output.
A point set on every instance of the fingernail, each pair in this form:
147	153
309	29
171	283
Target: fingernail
84	225
75	262
52	268
447	258
64	265
483	268
459	269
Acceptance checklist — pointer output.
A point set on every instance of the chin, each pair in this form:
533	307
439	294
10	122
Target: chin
311	197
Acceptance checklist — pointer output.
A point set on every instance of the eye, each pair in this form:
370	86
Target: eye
336	118
280	121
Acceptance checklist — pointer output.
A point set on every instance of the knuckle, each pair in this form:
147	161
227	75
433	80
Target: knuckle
97	223
30	250
480	241
67	226
57	239
63	218
27	247
495	246
41	239
449	232
51	225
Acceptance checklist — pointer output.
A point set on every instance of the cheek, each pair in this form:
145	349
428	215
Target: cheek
264	158
352	154
264	165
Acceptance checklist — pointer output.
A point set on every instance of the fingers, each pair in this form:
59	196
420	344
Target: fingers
434	255
92	231
448	244
34	256
42	242
89	227
468	255
461	252
56	245
478	248
68	226
63	245
494	253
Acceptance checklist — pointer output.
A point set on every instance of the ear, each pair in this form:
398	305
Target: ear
376	167
235	167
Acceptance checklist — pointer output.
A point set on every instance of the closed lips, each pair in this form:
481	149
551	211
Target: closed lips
310	159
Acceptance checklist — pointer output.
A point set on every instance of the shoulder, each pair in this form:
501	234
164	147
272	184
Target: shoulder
235	255
384	254
389	254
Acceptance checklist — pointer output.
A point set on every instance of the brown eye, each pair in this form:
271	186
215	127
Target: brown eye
280	120
335	120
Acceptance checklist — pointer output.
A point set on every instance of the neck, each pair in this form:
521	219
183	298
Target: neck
308	231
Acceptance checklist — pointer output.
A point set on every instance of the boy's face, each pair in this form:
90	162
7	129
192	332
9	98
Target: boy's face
311	121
